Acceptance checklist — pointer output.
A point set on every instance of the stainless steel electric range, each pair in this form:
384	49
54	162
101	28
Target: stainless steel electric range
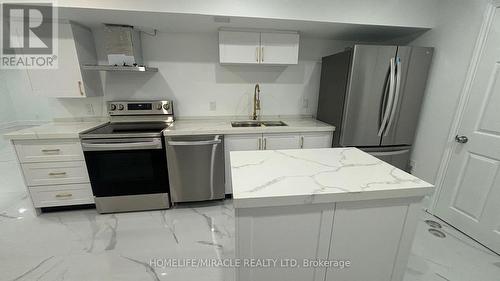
126	157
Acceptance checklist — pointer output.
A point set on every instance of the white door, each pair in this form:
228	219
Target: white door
279	48
470	196
66	79
238	143
316	140
239	47
281	141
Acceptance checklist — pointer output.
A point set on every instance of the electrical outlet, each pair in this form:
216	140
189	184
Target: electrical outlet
90	109
212	106
305	103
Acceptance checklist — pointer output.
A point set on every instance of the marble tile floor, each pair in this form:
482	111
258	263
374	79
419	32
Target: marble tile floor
84	245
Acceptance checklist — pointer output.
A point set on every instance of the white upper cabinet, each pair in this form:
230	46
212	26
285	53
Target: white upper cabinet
279	48
239	47
75	48
246	47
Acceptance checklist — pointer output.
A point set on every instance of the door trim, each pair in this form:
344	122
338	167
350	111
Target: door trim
464	99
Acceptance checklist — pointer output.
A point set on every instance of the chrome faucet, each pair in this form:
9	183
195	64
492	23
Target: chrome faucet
256	101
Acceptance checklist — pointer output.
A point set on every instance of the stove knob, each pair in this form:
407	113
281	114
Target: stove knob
120	107
166	106
158	106
112	107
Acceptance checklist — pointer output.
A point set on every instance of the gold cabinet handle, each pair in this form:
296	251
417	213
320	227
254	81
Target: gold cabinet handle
80	88
262	54
50	150
63	195
57	173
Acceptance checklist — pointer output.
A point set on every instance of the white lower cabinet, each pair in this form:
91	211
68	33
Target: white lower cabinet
368	235
281	141
283	233
61	195
316	140
271	141
238	143
363	240
55	172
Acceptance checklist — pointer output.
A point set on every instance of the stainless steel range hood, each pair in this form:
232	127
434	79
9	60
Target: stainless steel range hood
120	68
123	50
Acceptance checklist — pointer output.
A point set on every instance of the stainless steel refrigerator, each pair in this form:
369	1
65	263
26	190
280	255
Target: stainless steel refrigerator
372	95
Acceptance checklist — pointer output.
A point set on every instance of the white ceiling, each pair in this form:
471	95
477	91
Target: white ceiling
168	22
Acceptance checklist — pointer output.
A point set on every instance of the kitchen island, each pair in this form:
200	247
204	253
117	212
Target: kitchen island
323	214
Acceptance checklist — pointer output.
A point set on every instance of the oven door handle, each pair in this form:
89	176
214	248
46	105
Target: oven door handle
209	142
153	144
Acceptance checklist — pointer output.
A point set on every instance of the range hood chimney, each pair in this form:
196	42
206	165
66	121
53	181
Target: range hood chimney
123	50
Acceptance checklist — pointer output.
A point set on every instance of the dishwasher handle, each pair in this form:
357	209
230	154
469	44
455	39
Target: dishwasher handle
187	143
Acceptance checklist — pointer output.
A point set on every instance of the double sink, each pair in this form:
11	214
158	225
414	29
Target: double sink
254	123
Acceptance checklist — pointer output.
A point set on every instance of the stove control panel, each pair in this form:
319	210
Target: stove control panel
164	107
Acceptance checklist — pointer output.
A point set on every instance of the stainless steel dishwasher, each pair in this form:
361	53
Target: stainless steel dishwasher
195	167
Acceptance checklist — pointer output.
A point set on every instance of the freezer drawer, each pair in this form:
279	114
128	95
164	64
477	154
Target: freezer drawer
397	156
196	167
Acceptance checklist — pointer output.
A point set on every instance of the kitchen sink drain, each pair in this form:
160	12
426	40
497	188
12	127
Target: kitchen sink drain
437	233
433	224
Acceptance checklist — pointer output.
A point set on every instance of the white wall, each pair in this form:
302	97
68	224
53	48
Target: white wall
453	37
7	110
190	74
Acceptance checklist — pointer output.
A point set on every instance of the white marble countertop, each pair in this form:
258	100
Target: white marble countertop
54	130
223	126
306	176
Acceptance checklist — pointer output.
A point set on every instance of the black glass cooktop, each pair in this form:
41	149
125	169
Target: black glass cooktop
129	129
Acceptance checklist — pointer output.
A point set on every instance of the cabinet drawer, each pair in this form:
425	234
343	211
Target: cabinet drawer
55	173
62	195
49	150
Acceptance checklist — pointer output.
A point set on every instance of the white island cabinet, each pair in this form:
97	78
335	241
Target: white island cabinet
332	214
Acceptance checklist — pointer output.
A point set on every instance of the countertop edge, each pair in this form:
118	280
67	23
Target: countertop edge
306	199
249	131
226	129
13	136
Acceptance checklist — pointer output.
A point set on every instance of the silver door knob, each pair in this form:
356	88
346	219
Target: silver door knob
461	139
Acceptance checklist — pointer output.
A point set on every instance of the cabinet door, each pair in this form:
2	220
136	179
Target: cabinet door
87	54
238	143
281	141
316	140
376	229
300	232
239	47
279	48
66	80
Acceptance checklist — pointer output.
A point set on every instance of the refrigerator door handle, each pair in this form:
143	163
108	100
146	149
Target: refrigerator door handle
383	100
389	103
396	95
